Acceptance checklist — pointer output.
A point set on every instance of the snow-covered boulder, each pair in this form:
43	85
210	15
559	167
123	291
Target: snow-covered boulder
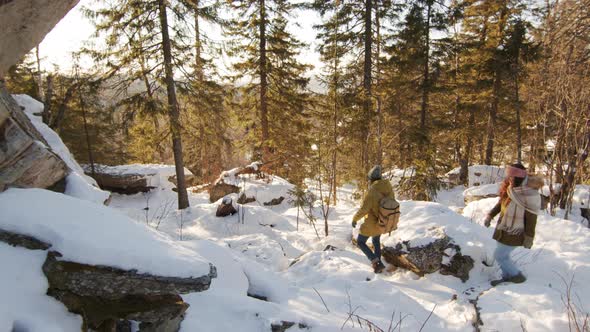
135	178
478	175
77	184
253	184
226	208
24	24
103	265
151	300
25	159
480	192
220	190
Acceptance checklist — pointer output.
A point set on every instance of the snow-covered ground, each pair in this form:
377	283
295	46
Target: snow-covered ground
276	253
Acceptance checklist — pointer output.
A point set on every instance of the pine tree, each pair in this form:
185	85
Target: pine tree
415	69
132	64
485	28
173	111
273	100
352	35
140	49
206	115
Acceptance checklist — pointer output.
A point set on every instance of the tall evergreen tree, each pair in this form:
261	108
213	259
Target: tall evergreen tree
140	49
274	98
485	28
415	65
173	111
206	115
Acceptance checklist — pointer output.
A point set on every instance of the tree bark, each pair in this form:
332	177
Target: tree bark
367	82
63	105
426	73
173	110
86	133
46	115
518	124
492	120
335	116
198	62
379	100
263	83
39	75
200	76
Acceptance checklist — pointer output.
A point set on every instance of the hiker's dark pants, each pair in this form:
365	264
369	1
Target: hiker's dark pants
361	241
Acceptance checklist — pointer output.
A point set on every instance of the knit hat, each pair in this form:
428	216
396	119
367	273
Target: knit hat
375	173
514	171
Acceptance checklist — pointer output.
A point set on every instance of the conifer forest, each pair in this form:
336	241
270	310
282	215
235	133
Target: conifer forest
422	84
294	165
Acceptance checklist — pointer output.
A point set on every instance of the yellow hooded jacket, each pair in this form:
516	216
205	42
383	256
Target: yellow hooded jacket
370	207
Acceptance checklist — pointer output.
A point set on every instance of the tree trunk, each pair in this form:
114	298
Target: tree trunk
173	111
63	105
367	82
46	115
492	120
39	75
198	62
86	133
469	146
426	74
379	100
335	124
518	124
263	83
200	77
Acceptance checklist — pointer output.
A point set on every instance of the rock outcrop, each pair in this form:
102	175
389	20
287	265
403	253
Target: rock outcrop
24	24
24	241
225	184
274	201
285	325
439	255
111	283
243	199
25	160
127	184
221	189
226	208
481	192
108	298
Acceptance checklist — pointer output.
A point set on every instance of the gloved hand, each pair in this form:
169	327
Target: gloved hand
528	242
354	224
487	221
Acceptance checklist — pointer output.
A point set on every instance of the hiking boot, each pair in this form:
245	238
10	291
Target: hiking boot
496	282
517	279
377	265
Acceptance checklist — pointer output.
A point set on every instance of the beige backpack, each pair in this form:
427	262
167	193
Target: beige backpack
388	214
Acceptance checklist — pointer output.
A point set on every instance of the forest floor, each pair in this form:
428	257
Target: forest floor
274	266
270	254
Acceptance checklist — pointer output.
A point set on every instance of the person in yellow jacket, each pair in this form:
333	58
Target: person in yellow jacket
378	189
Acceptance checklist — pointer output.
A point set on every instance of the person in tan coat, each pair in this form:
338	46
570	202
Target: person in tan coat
369	209
518	206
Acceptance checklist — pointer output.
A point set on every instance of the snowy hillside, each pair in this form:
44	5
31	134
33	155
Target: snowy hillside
273	265
253	257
